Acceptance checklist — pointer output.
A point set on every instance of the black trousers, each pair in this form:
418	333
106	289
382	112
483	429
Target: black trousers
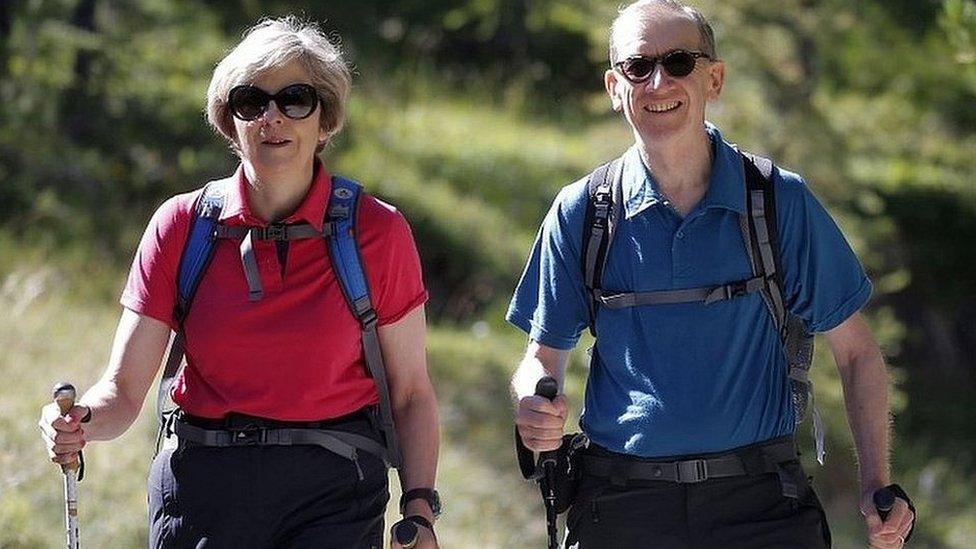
738	512
265	496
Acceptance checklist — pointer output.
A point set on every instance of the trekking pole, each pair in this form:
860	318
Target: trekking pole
547	387
884	500
64	395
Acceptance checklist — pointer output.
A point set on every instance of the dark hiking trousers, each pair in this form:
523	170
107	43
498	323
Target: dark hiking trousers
739	512
266	496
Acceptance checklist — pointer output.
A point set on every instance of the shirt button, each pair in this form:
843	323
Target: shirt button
681	234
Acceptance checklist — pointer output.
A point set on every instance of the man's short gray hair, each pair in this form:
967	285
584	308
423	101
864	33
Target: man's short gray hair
707	36
273	43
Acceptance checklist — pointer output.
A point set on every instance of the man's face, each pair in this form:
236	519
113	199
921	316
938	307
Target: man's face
663	107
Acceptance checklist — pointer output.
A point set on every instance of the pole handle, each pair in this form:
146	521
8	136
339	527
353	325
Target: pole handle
547	387
64	395
884	500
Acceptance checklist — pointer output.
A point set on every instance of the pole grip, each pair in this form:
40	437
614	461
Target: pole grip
547	387
884	500
64	395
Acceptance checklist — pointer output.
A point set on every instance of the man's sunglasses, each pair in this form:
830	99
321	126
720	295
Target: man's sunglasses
296	101
677	63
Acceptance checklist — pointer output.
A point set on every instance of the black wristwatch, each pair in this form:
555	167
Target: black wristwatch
428	494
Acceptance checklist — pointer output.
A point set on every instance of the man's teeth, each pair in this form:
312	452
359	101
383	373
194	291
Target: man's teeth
664	107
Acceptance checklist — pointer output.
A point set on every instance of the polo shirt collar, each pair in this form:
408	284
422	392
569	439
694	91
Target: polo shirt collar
725	188
311	210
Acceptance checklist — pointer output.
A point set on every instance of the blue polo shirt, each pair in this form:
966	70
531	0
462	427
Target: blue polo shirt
688	378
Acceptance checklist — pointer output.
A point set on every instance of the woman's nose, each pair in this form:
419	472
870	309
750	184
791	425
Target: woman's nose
272	114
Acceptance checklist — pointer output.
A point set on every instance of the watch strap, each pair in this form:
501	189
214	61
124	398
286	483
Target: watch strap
427	494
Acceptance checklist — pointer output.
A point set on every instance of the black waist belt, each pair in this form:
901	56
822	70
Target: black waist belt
757	459
342	443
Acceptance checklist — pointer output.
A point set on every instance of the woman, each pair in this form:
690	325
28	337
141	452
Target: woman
277	441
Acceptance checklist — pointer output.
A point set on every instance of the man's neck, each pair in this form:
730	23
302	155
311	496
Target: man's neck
273	196
681	168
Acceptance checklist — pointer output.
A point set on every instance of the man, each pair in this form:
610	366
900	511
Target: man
688	409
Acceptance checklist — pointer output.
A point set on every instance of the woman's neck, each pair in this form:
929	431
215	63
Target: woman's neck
273	196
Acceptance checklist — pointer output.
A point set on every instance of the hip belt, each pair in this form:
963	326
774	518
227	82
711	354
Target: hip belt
751	460
261	432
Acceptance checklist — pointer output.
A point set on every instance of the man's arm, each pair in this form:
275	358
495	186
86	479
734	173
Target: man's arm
864	378
540	421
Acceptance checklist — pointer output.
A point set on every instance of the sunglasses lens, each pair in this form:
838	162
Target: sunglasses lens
297	101
679	63
638	68
248	102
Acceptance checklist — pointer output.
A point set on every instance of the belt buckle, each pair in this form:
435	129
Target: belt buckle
249	435
692	471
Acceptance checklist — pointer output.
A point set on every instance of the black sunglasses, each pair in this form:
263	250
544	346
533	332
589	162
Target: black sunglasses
296	101
676	63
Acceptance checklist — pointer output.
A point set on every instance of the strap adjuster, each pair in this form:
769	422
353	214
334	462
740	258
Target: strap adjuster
275	232
692	471
736	289
251	435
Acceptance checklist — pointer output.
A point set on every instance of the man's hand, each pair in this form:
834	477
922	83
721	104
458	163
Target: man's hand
541	422
891	533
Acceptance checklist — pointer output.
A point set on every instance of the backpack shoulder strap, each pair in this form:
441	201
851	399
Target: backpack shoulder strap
348	266
759	228
603	210
761	236
197	253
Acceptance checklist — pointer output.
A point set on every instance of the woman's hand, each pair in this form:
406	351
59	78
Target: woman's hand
63	435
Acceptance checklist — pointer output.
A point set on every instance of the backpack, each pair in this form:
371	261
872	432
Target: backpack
339	233
759	232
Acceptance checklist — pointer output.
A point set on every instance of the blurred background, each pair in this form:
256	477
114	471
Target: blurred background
469	115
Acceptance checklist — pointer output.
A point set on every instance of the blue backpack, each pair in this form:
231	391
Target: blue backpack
338	231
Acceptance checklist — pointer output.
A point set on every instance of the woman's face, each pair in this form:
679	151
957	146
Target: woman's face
273	143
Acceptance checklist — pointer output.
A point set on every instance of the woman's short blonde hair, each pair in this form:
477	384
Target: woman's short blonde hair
273	43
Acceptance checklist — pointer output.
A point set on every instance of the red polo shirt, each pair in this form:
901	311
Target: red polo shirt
296	354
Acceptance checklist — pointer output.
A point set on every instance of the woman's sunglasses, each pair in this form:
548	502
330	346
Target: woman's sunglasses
677	63
296	101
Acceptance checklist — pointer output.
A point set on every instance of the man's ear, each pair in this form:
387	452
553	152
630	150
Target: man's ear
716	79
612	83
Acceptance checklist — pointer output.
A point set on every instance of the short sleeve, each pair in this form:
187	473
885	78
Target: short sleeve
825	282
150	289
391	261
550	302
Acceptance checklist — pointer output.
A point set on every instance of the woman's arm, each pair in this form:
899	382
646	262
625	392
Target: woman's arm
404	348
115	400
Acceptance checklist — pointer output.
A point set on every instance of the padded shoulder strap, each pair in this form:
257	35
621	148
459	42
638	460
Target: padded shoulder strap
196	256
761	236
603	210
348	266
341	213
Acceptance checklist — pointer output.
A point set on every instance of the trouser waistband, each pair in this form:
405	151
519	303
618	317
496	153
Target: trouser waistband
750	460
259	432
